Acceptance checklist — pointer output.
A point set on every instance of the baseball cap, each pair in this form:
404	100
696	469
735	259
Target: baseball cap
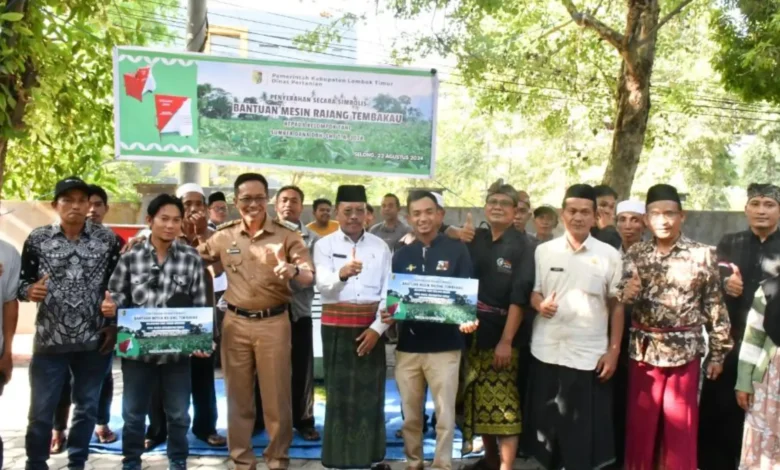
68	184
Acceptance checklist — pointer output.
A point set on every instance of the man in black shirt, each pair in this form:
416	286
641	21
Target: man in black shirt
604	230
504	264
65	269
746	259
429	352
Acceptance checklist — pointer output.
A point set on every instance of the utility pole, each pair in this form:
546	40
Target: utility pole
197	32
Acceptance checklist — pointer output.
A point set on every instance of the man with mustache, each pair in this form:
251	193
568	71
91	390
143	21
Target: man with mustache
674	286
746	259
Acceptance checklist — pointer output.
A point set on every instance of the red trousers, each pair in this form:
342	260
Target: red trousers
663	416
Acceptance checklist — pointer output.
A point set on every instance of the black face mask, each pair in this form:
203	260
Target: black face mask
771	288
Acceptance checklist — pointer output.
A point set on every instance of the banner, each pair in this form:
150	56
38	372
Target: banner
153	331
432	298
320	117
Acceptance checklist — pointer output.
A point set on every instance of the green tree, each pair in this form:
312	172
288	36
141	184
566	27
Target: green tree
56	86
748	33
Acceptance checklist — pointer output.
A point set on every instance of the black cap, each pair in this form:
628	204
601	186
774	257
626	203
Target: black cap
581	191
70	183
663	192
216	197
351	193
541	210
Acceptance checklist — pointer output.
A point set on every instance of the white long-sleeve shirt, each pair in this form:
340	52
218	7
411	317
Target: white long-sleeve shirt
370	286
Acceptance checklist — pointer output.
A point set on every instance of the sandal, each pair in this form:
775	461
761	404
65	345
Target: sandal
309	434
215	440
58	441
105	435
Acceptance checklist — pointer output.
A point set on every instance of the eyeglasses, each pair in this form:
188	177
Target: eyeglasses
503	203
247	201
668	215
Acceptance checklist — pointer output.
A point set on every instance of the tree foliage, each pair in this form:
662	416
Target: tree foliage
748	33
56	87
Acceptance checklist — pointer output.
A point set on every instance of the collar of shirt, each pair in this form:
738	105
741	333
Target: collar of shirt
347	239
774	236
172	250
86	231
267	226
682	243
587	245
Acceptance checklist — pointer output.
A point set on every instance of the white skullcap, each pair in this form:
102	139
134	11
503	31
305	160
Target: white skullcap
189	188
637	207
439	199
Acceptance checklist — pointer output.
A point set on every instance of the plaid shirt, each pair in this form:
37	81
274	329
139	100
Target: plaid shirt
140	282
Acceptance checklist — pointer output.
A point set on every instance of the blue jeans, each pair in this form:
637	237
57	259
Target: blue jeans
48	374
138	378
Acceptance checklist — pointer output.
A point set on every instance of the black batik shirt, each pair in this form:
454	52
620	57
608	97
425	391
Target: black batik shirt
445	257
757	262
69	318
505	269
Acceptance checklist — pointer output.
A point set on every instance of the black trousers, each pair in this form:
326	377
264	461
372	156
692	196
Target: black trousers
721	420
302	377
204	403
62	412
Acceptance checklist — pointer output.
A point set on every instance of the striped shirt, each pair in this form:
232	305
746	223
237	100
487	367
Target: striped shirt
757	347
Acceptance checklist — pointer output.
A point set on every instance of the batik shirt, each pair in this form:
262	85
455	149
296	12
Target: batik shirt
69	318
680	294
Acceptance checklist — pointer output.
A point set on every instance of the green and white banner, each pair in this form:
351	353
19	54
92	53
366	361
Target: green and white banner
335	118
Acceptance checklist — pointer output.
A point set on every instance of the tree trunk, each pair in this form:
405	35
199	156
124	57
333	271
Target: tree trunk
633	96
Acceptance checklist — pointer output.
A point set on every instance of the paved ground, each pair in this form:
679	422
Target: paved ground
13	419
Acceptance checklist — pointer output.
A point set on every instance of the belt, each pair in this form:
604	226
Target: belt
267	313
673	329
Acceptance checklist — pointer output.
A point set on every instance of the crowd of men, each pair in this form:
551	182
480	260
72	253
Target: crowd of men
588	349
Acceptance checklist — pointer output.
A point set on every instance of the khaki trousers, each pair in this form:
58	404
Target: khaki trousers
440	371
262	345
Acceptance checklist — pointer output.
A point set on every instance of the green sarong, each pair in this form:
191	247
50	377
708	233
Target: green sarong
354	434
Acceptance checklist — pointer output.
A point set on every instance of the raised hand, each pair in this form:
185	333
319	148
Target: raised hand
353	266
37	292
734	285
549	306
467	232
283	270
633	287
108	307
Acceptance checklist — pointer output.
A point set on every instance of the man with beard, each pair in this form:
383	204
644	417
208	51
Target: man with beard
674	286
353	268
503	263
747	259
630	226
289	206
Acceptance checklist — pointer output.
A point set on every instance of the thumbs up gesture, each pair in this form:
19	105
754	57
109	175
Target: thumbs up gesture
734	284
632	288
549	306
353	267
467	232
283	270
108	307
37	292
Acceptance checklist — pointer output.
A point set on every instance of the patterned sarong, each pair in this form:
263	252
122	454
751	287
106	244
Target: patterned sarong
491	401
354	431
761	442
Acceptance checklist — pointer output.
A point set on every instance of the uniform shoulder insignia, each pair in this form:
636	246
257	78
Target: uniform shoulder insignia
286	224
228	224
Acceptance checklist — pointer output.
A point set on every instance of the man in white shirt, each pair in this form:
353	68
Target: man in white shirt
570	402
353	268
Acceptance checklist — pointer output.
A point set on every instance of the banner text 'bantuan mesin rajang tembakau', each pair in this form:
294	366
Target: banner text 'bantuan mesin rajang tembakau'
337	118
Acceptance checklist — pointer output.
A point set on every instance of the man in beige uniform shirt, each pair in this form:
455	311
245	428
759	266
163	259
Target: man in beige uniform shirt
260	257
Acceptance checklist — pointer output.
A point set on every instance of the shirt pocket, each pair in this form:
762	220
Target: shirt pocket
139	288
592	283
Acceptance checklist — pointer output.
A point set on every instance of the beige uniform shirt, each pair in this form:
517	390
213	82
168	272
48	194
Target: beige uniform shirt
249	262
